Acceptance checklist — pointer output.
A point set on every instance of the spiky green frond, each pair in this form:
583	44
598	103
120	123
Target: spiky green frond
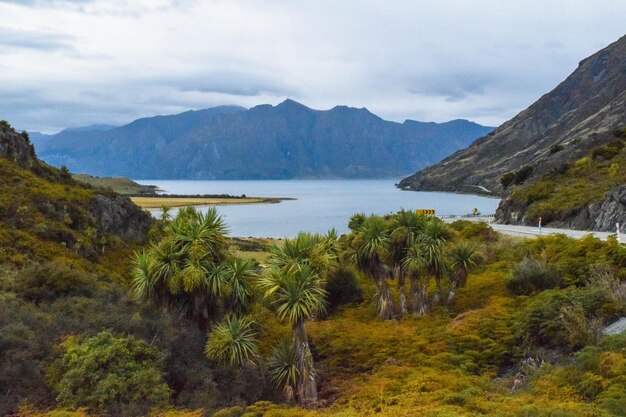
240	275
142	278
233	342
296	296
282	364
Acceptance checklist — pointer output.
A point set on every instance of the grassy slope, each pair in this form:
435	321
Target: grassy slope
120	185
47	219
586	181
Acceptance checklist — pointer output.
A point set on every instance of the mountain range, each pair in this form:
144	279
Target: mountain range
288	140
559	160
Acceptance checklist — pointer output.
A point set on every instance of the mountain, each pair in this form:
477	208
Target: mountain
563	125
38	138
289	140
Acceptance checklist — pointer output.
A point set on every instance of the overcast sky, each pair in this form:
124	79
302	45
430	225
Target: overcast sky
74	63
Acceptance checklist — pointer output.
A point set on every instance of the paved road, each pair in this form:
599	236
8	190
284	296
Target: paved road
529	231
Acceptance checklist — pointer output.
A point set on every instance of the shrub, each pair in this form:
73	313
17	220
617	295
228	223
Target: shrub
620	132
48	281
530	276
507	179
605	152
343	288
561	319
475	231
108	373
235	411
523	174
555	148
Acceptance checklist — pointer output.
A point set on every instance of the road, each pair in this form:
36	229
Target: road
530	231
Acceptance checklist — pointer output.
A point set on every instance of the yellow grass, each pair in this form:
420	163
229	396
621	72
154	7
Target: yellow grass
156	202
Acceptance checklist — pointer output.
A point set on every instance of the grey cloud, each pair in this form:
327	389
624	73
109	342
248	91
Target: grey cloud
455	86
28	39
231	83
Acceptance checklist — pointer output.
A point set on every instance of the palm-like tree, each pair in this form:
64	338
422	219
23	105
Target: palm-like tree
240	275
282	366
317	251
433	242
415	264
297	295
165	213
185	270
463	257
405	228
371	244
233	342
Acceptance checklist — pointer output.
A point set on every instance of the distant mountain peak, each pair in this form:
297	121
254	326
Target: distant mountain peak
292	104
289	140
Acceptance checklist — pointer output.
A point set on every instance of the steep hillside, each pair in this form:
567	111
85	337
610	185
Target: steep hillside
579	115
266	142
45	213
588	194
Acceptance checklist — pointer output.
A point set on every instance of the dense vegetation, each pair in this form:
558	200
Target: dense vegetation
573	186
522	337
404	315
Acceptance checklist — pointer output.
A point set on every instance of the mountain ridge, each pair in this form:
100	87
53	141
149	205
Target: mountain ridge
578	115
289	140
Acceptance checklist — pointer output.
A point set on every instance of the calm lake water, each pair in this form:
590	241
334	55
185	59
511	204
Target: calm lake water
320	204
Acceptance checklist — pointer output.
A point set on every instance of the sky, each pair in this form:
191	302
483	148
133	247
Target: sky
69	63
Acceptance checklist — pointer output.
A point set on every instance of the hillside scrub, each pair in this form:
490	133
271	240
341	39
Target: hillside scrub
555	196
504	327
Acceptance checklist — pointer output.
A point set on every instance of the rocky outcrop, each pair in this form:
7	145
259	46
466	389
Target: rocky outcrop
561	126
611	210
119	216
110	213
16	147
600	216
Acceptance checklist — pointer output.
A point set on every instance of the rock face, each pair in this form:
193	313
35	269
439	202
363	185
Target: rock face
119	216
601	216
561	126
16	147
289	140
612	210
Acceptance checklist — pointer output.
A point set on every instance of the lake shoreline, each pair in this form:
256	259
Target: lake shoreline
184	200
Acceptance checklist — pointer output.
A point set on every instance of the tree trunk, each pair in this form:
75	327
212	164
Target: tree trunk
438	290
421	299
402	284
306	386
451	292
384	303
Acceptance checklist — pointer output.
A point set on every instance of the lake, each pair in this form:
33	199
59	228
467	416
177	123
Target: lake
320	204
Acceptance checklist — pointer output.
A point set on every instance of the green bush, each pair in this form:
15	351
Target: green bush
605	152
555	148
530	276
107	373
523	174
235	411
48	281
343	288
507	179
545	319
475	231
